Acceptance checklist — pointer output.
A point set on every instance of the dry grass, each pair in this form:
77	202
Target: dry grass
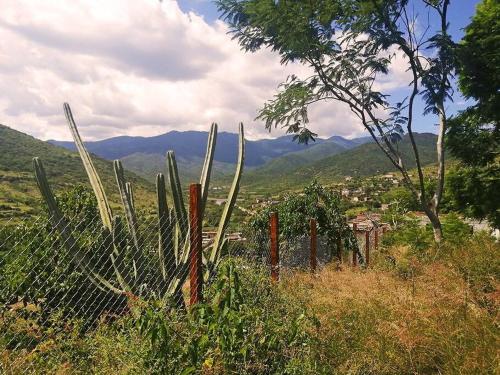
376	322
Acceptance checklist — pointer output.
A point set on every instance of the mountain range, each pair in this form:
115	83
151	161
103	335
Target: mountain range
273	165
362	161
146	155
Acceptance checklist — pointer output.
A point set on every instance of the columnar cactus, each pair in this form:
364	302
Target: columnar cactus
173	226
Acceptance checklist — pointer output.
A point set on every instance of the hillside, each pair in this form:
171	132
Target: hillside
18	191
148	165
293	160
364	160
145	156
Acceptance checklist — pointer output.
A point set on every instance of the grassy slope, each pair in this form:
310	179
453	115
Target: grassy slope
291	161
362	161
417	314
375	322
18	191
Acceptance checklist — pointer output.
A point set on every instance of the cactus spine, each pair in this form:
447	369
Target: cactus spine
173	228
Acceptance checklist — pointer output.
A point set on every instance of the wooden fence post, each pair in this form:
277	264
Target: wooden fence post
354	254
314	245
195	239
376	238
367	247
274	235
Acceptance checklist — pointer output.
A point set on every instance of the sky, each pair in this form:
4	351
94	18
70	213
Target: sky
145	67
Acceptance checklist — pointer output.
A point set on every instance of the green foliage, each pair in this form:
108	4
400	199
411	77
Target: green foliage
474	191
18	190
479	60
410	233
402	198
349	46
472	138
345	66
418	237
439	317
245	326
296	209
35	267
474	134
362	161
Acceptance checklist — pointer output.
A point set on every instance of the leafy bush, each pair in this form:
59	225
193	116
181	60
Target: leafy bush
36	269
296	209
245	326
420	238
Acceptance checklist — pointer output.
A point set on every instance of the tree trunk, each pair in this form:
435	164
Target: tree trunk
436	224
438	231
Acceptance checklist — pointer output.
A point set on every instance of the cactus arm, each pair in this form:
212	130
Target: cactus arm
175	186
126	201
207	166
181	273
231	201
95	181
130	192
118	255
78	257
166	254
175	234
131	221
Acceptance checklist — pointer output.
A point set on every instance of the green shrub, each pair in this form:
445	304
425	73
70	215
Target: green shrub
420	237
36	268
245	326
411	233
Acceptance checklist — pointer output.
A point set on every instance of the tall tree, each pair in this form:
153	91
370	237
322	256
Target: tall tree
474	135
349	46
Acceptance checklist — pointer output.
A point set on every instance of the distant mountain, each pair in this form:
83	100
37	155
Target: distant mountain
293	160
146	155
350	143
18	191
191	145
361	161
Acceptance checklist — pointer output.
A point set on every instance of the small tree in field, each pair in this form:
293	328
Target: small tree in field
349	46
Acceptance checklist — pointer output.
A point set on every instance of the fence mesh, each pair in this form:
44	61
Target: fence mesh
75	269
57	270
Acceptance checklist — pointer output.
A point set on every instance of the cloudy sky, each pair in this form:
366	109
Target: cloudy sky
144	67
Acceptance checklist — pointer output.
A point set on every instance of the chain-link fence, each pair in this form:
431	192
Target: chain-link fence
56	269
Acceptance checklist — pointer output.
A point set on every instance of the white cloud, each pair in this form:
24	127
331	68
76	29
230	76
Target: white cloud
135	67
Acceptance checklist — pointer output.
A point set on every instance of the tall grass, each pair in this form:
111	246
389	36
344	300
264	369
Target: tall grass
412	312
436	313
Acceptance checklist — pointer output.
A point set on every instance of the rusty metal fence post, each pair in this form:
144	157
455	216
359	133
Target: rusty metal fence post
274	235
313	261
195	238
354	254
367	247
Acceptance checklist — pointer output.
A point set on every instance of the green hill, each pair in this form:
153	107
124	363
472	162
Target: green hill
361	161
291	161
148	165
18	191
